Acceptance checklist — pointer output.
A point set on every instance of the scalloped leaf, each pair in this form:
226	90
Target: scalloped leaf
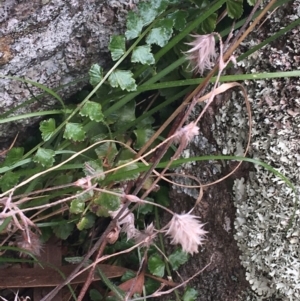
77	206
143	55
63	229
47	128
45	157
123	79
93	110
156	265
134	25
117	46
209	24
109	201
234	8
74	131
160	5
178	258
13	156
190	294
179	19
9	180
147	12
162	34
86	222
96	74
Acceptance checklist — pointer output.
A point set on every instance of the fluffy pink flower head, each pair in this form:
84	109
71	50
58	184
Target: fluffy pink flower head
186	134
186	230
202	53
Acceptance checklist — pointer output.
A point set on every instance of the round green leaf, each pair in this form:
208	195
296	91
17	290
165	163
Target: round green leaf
117	47
156	265
134	25
143	55
44	156
96	74
92	110
123	79
178	258
109	201
86	222
74	131
190	294
77	206
47	128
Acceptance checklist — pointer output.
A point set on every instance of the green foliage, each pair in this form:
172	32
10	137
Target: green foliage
156	265
123	79
143	55
117	47
178	258
86	222
13	156
63	229
92	110
190	294
96	74
45	157
120	110
74	131
47	128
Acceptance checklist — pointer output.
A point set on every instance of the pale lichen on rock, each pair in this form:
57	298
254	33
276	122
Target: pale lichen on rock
264	202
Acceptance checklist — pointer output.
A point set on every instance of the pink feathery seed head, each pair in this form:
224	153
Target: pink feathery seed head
147	235
186	230
202	53
186	133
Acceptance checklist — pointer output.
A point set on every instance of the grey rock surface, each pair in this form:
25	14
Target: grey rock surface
258	216
53	42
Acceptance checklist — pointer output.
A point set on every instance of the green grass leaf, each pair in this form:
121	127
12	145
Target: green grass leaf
47	128
134	25
123	79
96	74
156	265
178	258
117	47
44	156
234	8
93	110
162	34
74	131
143	55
